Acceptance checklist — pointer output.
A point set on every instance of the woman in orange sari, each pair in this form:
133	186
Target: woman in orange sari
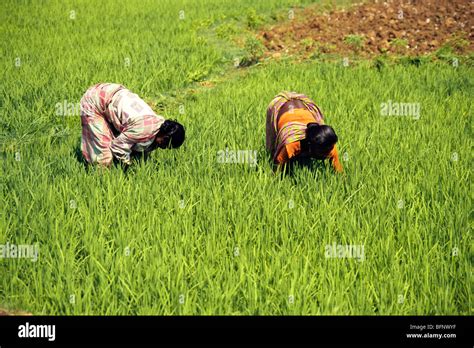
295	129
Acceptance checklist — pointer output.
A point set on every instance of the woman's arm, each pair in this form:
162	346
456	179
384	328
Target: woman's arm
334	158
282	157
137	131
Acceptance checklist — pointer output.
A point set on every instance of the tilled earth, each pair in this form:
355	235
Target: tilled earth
7	312
396	26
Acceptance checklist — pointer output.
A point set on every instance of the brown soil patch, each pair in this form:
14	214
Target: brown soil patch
207	84
398	26
6	312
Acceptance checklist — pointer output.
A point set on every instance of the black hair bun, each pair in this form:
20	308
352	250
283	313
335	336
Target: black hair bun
312	129
321	135
174	131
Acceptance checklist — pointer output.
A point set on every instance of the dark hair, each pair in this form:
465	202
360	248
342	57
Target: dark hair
320	139
174	131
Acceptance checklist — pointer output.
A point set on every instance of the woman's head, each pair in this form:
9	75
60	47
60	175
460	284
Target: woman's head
171	135
320	139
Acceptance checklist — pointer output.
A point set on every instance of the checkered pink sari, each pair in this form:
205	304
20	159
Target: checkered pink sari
115	122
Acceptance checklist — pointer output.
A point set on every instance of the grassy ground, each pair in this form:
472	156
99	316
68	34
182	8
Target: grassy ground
185	234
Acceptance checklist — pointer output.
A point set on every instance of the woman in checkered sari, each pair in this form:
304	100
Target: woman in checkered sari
117	123
295	129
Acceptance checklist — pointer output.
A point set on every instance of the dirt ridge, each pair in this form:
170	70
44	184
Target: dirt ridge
397	26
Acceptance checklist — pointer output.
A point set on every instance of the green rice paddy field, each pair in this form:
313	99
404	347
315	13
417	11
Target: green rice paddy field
184	233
